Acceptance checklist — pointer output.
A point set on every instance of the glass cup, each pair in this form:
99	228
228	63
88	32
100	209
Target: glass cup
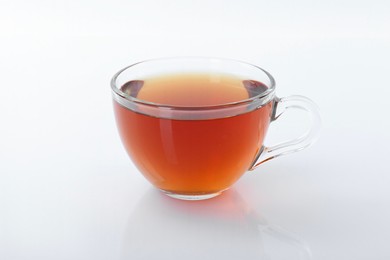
194	126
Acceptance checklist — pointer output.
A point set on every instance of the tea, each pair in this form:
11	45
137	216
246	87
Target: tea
187	155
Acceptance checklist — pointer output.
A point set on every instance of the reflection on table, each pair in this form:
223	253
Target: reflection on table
220	228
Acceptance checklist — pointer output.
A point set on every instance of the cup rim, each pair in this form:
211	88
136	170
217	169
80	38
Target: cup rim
266	95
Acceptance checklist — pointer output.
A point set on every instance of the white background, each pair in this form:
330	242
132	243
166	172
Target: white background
69	191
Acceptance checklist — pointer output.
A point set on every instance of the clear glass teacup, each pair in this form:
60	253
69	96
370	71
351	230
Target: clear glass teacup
194	126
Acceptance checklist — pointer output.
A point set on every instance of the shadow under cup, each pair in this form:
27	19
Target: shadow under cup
193	126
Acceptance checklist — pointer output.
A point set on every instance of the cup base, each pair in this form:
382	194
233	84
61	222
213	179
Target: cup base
191	196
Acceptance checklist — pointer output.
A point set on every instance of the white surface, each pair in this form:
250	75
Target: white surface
68	190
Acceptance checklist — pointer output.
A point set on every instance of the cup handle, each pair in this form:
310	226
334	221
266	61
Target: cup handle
280	106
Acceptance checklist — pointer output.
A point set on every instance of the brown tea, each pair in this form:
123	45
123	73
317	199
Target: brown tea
187	155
